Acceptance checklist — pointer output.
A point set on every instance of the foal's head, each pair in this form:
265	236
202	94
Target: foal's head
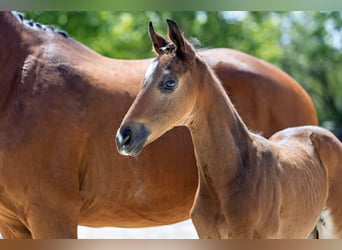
167	95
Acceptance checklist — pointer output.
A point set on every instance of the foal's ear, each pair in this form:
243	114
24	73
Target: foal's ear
183	47
157	40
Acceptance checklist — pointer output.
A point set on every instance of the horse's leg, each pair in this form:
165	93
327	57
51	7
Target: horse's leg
330	225
14	231
204	216
314	233
204	223
211	223
329	150
54	204
53	214
56	223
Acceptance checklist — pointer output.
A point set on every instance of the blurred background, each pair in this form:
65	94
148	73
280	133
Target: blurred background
306	45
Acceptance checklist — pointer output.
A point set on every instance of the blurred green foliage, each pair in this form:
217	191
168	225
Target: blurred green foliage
124	34
307	45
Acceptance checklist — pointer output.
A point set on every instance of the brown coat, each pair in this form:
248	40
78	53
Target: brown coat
60	104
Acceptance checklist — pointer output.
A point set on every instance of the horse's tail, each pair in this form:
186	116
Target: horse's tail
329	151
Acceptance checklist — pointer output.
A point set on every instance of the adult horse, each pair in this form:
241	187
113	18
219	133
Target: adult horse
60	103
249	187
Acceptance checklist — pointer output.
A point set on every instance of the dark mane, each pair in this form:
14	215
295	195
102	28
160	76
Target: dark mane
36	25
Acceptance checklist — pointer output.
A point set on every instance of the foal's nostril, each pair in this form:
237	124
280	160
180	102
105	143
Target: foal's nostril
127	136
131	138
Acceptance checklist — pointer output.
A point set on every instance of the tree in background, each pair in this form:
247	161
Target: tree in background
307	45
124	34
311	44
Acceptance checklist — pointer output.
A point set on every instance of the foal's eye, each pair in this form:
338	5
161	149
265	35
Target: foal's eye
170	85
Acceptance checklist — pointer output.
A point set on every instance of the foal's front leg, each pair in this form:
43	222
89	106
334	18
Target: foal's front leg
219	219
204	215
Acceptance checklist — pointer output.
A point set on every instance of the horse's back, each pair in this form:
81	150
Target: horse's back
317	139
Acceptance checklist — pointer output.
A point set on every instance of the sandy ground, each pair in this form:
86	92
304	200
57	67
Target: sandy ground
182	230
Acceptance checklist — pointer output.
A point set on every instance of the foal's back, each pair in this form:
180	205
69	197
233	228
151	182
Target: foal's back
304	154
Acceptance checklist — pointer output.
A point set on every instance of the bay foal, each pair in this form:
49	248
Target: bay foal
249	187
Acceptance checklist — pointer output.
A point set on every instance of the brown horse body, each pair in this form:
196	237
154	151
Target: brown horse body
249	187
59	105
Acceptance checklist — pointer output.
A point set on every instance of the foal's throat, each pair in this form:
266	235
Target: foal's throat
221	140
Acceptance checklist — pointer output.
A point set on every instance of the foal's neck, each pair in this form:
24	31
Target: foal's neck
221	140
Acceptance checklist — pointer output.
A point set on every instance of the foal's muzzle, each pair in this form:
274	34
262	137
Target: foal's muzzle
131	137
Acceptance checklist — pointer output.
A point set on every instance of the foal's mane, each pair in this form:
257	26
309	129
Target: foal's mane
36	25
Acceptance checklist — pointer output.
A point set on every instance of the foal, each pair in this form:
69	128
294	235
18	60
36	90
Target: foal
249	187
